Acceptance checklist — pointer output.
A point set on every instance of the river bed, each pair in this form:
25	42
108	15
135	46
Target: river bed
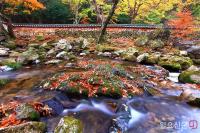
150	114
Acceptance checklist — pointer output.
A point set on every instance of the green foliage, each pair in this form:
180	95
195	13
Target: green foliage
57	12
196	10
3	82
123	18
14	65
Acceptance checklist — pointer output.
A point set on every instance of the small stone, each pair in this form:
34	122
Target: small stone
4	51
53	62
61	54
183	53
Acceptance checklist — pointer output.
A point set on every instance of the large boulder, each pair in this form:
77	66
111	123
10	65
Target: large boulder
175	63
29	127
69	125
27	112
190	76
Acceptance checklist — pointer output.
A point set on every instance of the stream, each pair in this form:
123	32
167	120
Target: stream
143	114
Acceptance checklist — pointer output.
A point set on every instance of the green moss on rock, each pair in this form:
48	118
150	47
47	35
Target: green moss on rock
29	127
170	65
175	62
190	77
26	111
69	125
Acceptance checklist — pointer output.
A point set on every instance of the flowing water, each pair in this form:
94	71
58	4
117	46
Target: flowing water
100	115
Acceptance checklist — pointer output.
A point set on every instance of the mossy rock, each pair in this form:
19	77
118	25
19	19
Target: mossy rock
141	41
190	77
27	112
129	57
105	48
156	44
152	59
29	127
170	65
69	124
175	63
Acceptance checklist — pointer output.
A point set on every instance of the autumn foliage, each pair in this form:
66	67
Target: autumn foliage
183	25
8	113
28	6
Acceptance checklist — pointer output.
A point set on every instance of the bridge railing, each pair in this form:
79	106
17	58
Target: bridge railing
145	26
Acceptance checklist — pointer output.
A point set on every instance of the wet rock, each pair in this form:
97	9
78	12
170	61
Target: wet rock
190	77
29	127
142	57
55	105
186	95
4	51
141	41
27	112
54	61
155	44
5	68
194	102
28	56
69	125
175	62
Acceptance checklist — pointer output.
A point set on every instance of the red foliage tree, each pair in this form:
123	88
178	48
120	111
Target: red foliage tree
183	25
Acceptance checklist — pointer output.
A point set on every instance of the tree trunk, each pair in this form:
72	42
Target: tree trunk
103	31
98	12
9	25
